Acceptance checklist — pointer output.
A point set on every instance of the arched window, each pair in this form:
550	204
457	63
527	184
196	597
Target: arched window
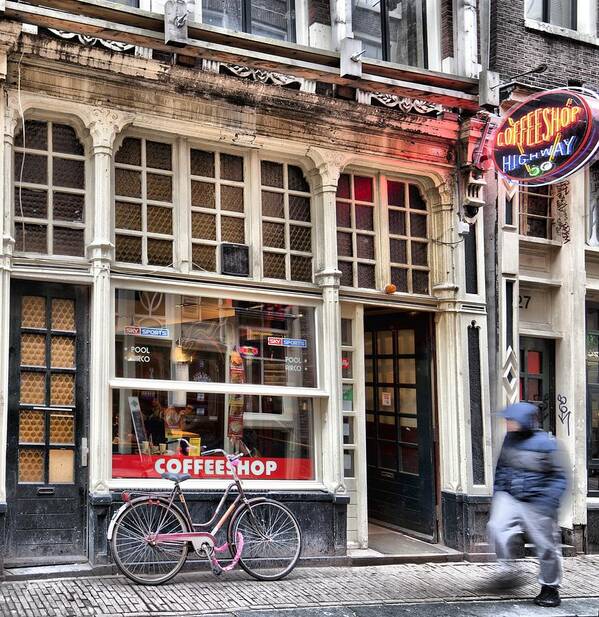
49	181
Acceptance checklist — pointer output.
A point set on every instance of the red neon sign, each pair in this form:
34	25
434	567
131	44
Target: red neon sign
548	137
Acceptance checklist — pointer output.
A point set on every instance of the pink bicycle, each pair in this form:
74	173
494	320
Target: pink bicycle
150	536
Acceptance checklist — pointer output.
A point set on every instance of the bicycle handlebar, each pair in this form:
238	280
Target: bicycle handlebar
231	457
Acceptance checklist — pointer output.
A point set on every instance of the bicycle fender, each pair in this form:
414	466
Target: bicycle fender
126	505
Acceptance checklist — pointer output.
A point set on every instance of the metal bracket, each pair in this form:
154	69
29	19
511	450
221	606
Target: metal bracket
175	22
84	452
350	61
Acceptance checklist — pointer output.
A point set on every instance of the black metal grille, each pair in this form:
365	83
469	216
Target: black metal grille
476	410
470	261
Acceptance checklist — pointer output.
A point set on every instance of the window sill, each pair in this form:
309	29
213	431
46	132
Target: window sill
539	26
532	240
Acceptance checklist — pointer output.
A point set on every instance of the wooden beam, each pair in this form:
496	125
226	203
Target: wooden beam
147	30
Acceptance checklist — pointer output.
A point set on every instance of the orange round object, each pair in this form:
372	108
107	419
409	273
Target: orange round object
390	288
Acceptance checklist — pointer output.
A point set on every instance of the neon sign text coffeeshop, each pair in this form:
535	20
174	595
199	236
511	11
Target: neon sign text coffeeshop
548	137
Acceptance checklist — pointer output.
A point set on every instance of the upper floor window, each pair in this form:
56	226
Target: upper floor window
536	212
269	18
143	187
49	199
593	205
393	238
556	12
393	30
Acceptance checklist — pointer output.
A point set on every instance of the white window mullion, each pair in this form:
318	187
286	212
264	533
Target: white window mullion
182	206
381	245
253	205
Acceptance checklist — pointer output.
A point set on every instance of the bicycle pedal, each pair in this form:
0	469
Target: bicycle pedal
217	571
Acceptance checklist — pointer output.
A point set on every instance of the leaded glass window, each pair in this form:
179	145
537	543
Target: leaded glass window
286	223
49	184
536	212
217	206
143	187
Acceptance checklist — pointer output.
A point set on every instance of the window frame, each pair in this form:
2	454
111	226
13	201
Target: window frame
49	222
591	463
319	395
584	19
523	215
293	22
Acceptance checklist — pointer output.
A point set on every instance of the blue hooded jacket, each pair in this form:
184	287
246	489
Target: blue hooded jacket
531	467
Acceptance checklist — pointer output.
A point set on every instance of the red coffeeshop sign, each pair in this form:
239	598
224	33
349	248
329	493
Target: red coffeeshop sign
548	137
210	467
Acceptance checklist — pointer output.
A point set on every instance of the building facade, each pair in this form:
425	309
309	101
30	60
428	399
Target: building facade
541	256
245	228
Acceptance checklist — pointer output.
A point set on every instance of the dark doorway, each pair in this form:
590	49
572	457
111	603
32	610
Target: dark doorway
399	428
537	378
46	467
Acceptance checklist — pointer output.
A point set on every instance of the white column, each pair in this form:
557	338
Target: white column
104	125
341	22
9	119
465	37
324	190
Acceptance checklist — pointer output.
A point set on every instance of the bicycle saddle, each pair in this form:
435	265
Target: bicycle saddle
176	477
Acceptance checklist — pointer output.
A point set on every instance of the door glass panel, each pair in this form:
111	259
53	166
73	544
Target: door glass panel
348	397
386	399
534	362
388	455
62	428
368	343
407	370
387	428
407	400
348	464
33	350
408	430
409	460
385	371
62	389
346	332
348	430
33	388
384	342
405	342
369	366
346	364
595	425
63	352
63	314
533	390
31	426
370	428
31	465
369	398
61	467
33	312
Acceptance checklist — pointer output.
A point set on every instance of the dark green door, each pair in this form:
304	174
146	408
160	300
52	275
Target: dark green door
46	467
400	453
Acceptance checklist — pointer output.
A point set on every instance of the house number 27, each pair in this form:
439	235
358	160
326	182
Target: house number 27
524	301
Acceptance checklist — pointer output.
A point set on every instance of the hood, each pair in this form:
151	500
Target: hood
523	413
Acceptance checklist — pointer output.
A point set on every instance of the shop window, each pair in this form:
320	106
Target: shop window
356	231
408	237
556	12
348	376
536	212
143	187
286	223
217	206
190	338
49	190
154	431
269	18
593	205
393	30
592	366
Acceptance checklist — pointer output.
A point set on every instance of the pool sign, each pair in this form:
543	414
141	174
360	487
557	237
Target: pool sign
548	137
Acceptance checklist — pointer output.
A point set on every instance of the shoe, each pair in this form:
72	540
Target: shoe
549	596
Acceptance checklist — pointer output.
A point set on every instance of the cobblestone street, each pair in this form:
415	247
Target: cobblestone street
402	589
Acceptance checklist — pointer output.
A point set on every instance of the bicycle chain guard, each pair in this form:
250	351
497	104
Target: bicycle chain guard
216	567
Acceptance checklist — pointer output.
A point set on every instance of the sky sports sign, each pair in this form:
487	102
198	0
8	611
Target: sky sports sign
548	137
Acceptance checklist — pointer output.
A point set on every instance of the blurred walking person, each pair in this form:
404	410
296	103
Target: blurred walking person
530	479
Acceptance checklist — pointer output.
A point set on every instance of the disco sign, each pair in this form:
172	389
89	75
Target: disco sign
548	137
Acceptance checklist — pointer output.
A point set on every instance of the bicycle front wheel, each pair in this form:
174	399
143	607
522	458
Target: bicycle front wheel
134	547
272	540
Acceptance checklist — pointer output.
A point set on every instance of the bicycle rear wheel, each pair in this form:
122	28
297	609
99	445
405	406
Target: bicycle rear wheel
137	554
272	540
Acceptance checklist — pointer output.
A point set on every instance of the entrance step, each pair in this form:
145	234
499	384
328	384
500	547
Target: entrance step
66	570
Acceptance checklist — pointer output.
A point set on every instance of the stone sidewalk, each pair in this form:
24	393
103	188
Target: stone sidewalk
400	588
